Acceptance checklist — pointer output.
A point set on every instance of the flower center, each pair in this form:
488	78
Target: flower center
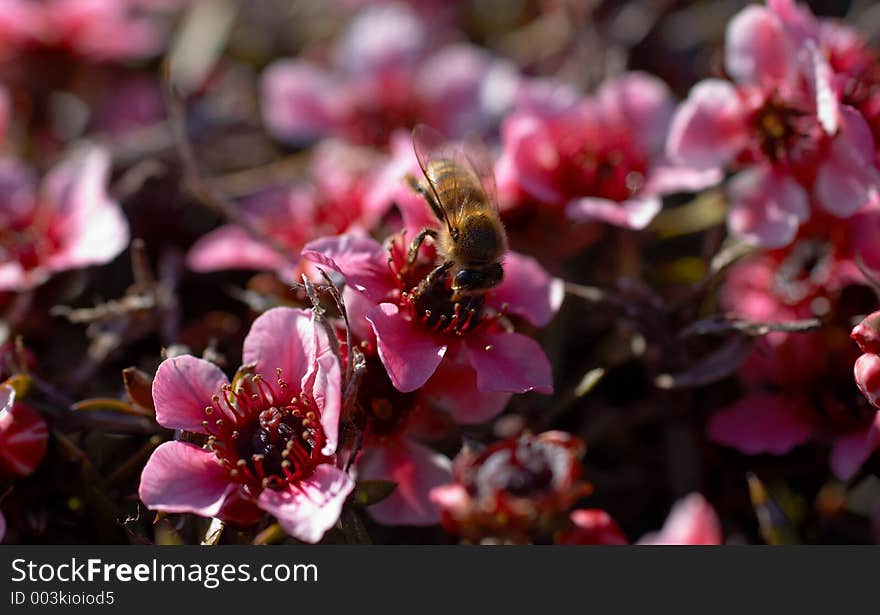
28	243
263	434
787	134
521	468
434	306
615	172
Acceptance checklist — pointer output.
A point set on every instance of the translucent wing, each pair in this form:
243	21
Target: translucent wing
430	145
468	167
482	165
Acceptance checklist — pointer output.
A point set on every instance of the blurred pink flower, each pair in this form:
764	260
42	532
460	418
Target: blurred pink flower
386	72
601	158
692	521
23	436
781	124
270	438
515	489
414	336
100	30
338	199
798	386
68	223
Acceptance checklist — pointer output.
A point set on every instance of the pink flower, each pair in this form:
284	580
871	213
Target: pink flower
386	72
797	385
269	440
515	489
415	335
100	30
692	521
601	158
23	436
338	199
781	124
69	223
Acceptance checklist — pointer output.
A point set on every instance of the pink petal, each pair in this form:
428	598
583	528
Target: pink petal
528	291
510	362
282	338
634	213
408	352
850	451
416	469
757	50
381	38
92	229
23	436
867	375
301	102
708	129
692	521
643	102
325	382
182	388
668	178
527	141
362	260
453	389
311	507
181	477
766	207
468	88
847	179
231	247
449	497
762	423
592	527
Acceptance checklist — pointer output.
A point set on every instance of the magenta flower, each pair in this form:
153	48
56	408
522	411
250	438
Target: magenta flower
386	72
68	223
339	198
601	158
415	336
23	436
269	439
798	384
781	125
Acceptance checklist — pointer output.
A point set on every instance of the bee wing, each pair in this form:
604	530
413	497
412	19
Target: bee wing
480	162
430	145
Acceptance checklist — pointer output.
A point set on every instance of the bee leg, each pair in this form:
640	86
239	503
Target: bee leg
430	279
417	243
428	196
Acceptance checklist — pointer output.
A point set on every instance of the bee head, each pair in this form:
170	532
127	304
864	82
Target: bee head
476	281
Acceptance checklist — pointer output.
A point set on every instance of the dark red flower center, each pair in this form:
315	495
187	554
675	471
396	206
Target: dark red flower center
434	307
265	435
789	136
614	169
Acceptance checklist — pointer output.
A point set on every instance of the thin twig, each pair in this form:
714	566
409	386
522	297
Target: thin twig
722	324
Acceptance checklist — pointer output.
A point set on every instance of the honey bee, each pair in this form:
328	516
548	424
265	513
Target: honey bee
459	186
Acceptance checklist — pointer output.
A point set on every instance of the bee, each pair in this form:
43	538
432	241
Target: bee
459	186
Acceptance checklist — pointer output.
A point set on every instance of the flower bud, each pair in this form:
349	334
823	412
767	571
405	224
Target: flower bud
867	373
867	333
